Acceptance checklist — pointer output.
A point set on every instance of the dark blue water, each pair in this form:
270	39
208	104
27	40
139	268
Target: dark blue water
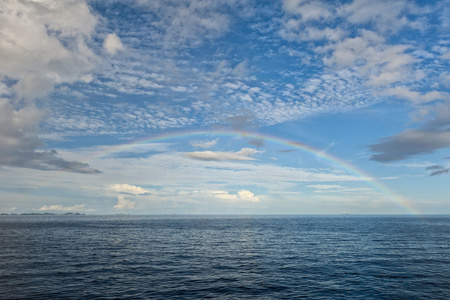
315	257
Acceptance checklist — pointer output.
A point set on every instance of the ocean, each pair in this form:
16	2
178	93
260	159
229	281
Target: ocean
225	257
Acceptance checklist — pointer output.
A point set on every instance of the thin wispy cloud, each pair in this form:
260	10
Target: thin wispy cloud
243	154
205	145
437	170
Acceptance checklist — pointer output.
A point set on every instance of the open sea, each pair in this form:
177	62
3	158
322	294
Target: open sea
225	257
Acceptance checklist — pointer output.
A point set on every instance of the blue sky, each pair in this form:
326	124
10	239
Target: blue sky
86	87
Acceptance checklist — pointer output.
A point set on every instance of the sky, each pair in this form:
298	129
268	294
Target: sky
225	107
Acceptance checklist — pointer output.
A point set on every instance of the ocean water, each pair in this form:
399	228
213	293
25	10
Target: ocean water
225	257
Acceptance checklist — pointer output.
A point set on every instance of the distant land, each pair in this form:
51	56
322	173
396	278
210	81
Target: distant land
43	214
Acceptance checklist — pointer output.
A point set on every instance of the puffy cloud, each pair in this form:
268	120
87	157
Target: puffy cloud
416	97
385	15
247	196
33	86
307	10
124	204
243	154
112	44
129	189
46	38
381	64
242	195
42	43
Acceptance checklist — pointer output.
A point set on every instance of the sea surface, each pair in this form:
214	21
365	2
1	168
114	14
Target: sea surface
225	257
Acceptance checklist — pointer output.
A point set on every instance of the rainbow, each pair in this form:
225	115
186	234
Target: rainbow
323	155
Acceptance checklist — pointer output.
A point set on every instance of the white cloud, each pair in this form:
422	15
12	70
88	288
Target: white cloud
416	97
46	38
112	44
179	88
445	79
42	44
243	154
308	10
242	195
187	23
124	204
241	69
372	56
129	189
247	196
33	86
385	15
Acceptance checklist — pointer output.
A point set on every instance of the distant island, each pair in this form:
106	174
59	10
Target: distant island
43	214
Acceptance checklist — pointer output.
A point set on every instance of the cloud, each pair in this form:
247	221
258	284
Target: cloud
243	154
241	69
259	143
112	44
59	207
437	170
324	186
242	121
242	195
124	204
432	135
384	15
130	189
247	196
380	63
48	39
434	167
416	97
204	144
409	143
187	23
19	142
33	86
307	10
43	44
287	150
